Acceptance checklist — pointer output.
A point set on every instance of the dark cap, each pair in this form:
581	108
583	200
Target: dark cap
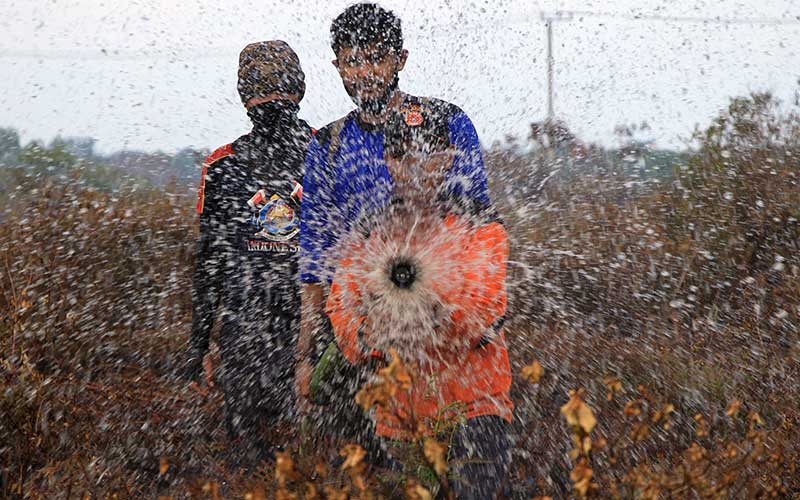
270	67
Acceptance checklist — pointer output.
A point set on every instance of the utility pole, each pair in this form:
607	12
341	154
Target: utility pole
549	19
549	24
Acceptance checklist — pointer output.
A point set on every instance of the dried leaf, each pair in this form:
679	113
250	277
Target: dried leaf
695	452
581	477
257	494
415	491
632	408
663	413
701	429
436	453
600	444
284	468
332	493
396	371
733	408
640	432
614	386
311	492
533	372
353	454
586	445
578	413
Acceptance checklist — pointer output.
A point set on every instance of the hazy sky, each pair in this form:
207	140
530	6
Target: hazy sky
161	74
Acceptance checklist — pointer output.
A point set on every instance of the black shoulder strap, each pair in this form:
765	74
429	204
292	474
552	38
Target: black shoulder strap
335	133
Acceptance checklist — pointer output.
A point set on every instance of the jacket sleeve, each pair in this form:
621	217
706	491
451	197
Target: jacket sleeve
319	215
207	278
482	300
341	307
466	182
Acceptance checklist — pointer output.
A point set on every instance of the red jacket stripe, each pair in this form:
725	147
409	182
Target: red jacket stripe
217	155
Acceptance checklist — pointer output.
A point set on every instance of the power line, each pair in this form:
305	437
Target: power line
170	54
568	15
111	55
549	19
685	19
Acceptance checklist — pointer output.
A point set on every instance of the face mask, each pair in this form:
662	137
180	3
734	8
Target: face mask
268	113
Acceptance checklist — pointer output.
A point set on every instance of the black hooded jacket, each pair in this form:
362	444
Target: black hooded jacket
247	252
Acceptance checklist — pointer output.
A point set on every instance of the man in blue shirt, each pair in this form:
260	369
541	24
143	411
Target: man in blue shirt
347	177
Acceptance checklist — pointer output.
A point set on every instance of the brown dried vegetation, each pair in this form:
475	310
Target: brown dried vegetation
664	321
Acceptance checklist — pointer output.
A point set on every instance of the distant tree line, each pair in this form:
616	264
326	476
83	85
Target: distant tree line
553	157
75	159
550	153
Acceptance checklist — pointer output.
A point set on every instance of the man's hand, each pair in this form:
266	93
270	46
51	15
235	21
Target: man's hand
419	171
208	373
302	382
311	318
208	369
302	378
200	390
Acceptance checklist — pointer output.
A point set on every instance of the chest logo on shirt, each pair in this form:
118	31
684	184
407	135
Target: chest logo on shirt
413	117
276	220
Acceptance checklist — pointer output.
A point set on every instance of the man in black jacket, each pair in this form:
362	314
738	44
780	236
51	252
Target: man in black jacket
247	254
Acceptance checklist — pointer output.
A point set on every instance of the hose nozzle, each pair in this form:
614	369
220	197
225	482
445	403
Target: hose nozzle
403	273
